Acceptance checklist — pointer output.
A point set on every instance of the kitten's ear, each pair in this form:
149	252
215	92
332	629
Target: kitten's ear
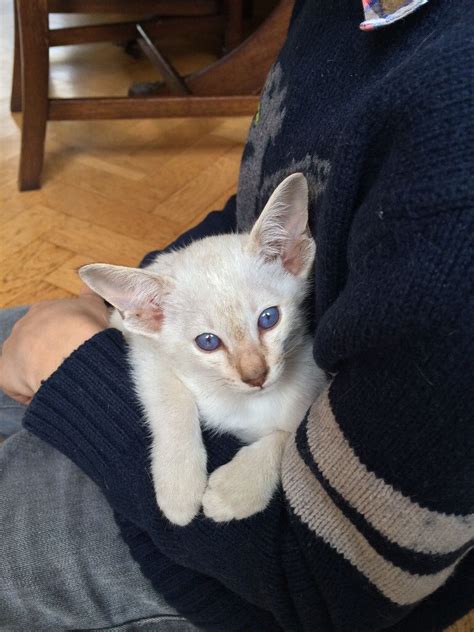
137	294
282	230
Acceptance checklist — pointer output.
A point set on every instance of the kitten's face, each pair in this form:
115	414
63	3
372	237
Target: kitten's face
237	323
228	308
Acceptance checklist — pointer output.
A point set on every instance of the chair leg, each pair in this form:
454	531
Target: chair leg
15	100
33	33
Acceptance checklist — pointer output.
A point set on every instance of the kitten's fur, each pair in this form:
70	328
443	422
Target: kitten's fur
221	285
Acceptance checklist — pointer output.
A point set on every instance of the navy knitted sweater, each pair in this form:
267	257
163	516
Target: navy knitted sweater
374	525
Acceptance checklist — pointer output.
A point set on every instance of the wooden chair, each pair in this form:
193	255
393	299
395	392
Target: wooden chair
227	87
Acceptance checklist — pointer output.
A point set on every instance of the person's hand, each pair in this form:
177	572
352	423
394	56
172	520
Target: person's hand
44	337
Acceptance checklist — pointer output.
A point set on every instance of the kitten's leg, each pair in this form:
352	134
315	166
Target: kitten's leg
178	456
245	485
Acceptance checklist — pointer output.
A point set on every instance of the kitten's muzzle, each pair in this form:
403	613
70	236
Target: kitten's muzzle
259	380
251	365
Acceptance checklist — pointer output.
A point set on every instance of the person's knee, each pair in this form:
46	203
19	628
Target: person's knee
63	563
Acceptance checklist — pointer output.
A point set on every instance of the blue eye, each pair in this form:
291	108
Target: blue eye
269	318
208	342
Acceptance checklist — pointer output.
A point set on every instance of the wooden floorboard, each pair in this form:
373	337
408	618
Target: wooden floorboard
112	190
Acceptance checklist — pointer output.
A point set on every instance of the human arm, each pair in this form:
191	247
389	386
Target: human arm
27	358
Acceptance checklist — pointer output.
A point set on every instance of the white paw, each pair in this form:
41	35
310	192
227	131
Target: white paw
179	490
235	491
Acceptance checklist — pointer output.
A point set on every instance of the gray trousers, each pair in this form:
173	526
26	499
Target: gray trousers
63	565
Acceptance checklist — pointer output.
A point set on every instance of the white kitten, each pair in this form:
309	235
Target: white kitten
216	332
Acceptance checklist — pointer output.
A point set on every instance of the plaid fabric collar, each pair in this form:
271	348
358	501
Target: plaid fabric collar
380	13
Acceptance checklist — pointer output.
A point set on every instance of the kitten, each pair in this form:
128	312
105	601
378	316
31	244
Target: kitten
217	335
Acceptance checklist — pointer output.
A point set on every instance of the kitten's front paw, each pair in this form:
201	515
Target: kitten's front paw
236	491
179	491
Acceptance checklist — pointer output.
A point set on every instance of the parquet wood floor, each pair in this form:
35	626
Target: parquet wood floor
112	190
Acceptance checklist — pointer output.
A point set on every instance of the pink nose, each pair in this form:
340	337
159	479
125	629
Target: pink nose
252	366
258	380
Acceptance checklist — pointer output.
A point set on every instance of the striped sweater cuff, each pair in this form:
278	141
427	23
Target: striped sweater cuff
404	550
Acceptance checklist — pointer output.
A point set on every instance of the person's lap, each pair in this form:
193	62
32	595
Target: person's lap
63	564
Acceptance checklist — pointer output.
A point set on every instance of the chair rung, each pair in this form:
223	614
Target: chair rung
150	107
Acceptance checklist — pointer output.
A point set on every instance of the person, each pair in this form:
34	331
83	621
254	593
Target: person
373	527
